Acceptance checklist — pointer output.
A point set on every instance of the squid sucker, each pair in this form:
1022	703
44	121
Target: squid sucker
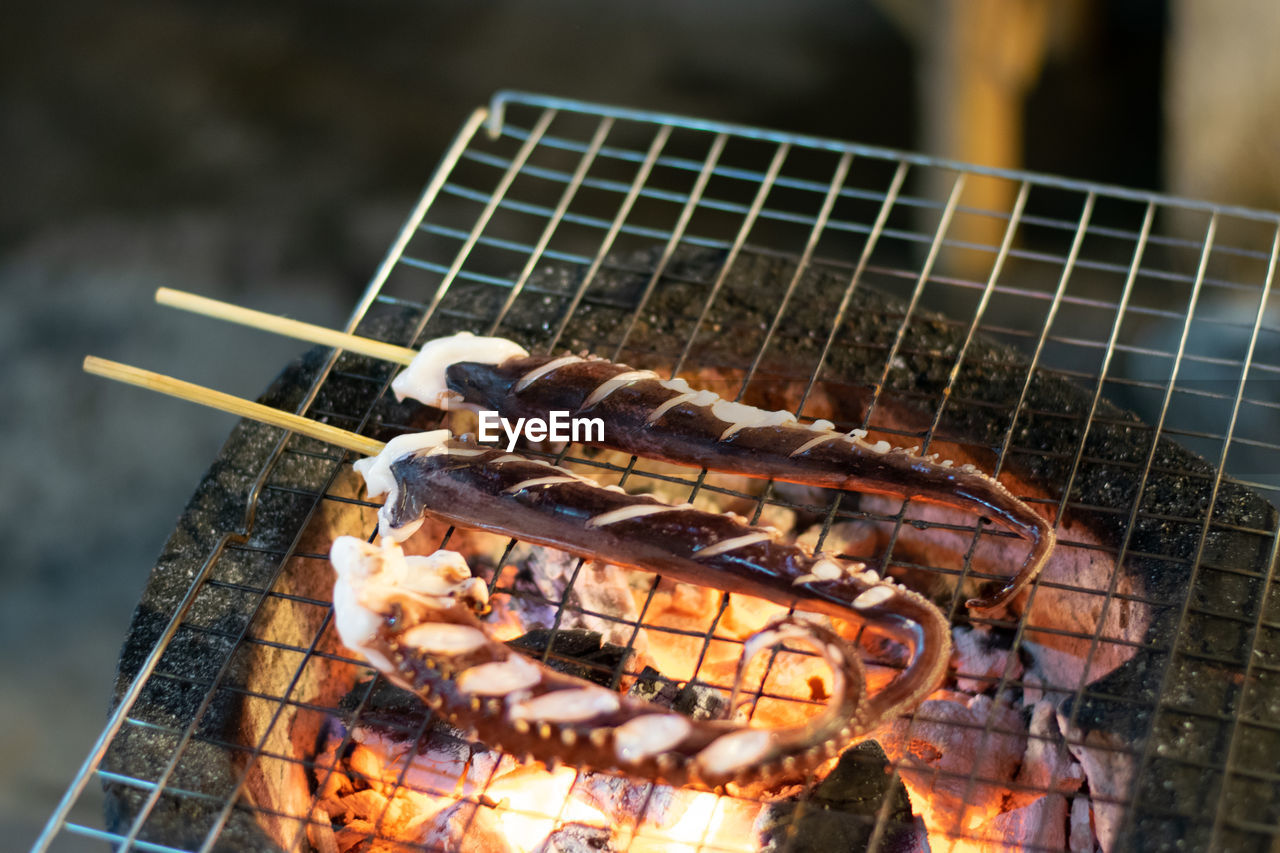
414	618
665	419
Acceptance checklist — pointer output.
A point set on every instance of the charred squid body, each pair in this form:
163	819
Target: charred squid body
478	487
666	419
412	618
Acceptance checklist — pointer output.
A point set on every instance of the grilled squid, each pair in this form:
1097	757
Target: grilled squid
423	632
666	419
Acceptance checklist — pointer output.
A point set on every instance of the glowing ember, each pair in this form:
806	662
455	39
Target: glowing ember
697	827
532	803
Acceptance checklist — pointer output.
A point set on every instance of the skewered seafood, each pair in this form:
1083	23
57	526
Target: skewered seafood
412	618
667	419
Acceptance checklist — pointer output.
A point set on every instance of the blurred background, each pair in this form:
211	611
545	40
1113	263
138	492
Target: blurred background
266	153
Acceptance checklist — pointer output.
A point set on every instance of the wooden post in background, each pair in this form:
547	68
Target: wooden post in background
977	59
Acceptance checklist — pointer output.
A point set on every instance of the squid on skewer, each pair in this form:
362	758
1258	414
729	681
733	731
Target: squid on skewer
668	420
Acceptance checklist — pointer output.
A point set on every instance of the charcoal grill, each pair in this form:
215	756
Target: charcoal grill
1158	304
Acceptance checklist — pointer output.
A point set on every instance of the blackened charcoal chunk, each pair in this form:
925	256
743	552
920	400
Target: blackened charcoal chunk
841	811
388	710
652	687
699	701
574	652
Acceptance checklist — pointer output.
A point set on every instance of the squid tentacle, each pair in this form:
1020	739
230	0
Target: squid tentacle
473	486
434	646
670	421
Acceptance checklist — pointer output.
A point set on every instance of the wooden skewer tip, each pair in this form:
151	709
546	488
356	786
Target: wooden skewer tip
231	404
285	326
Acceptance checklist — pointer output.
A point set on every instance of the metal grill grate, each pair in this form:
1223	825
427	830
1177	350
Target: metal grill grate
1159	304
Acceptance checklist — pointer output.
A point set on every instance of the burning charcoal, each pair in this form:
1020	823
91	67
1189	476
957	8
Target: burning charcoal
368	813
651	686
335	784
356	835
841	812
380	734
320	833
366	766
660	809
699	701
1039	826
983	657
466	827
364	805
389	711
1080	839
1047	765
378	834
599	588
1032	689
575	652
443	762
947	755
331	780
578	838
574	643
1038	687
623	798
1108	766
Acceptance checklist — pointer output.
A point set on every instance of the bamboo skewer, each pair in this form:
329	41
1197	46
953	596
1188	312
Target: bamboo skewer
283	325
229	403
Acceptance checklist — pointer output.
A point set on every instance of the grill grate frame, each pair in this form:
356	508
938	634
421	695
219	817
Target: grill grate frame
533	179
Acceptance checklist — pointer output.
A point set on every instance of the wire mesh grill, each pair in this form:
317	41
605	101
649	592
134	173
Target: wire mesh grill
1158	304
